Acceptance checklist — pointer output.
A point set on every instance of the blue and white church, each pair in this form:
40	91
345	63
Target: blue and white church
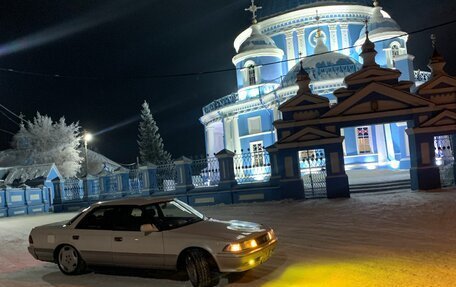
325	37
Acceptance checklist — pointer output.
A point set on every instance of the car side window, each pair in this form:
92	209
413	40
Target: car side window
172	215
128	218
100	218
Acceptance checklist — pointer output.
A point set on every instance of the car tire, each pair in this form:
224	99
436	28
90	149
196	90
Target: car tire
69	261
199	269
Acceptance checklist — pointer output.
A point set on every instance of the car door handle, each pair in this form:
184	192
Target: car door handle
118	239
75	237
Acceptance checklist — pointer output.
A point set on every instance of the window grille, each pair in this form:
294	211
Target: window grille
363	138
257	154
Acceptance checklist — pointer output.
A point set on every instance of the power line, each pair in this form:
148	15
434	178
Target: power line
9	118
7	132
11	112
216	71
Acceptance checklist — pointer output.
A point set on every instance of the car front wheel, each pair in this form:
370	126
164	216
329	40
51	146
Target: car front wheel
199	269
69	261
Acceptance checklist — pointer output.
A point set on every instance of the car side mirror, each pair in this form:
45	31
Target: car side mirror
149	228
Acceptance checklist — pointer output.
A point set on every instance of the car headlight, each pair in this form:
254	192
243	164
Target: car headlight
271	235
238	247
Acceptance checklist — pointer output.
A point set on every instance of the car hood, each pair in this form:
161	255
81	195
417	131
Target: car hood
54	225
229	230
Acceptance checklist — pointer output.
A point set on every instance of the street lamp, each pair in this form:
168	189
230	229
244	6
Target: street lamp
87	138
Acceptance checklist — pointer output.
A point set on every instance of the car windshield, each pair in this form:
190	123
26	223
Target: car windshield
172	214
77	216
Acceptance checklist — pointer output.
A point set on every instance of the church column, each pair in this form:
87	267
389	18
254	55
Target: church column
236	140
290	49
228	134
302	43
381	144
345	38
210	140
333	37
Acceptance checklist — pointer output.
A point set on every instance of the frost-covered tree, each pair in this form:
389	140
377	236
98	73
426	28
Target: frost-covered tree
150	142
44	141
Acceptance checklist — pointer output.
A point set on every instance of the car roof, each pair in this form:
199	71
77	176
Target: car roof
134	201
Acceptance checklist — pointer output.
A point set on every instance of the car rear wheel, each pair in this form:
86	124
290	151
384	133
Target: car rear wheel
69	261
200	269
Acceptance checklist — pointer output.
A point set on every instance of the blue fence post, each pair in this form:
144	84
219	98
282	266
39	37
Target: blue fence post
86	189
184	175
3	209
45	193
273	158
226	167
148	185
104	187
57	203
119	190
125	186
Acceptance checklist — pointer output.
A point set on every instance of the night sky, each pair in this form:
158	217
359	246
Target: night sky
111	49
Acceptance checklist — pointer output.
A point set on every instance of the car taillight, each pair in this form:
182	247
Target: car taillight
30	239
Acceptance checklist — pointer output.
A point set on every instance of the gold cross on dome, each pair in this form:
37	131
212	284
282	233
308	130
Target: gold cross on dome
366	25
434	40
253	8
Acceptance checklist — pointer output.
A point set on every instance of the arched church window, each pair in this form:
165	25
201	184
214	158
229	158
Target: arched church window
395	49
252	75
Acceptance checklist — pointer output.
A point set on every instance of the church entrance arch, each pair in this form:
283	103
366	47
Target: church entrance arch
376	145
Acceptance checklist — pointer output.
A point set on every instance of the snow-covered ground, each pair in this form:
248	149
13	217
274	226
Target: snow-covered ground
382	239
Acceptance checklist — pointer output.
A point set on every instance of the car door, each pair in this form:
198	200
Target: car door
130	246
92	237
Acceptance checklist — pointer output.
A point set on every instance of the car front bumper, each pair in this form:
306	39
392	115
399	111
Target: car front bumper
231	262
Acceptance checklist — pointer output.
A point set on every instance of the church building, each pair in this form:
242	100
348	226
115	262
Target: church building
325	38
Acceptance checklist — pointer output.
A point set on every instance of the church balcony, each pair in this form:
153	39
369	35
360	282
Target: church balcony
220	103
421	77
244	95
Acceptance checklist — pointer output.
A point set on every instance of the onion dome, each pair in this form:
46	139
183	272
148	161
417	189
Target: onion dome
368	51
257	44
436	62
274	7
323	65
379	24
257	41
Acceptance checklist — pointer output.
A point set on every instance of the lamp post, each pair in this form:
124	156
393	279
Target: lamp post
87	138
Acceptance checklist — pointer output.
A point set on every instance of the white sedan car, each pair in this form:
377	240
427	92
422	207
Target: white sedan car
153	233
